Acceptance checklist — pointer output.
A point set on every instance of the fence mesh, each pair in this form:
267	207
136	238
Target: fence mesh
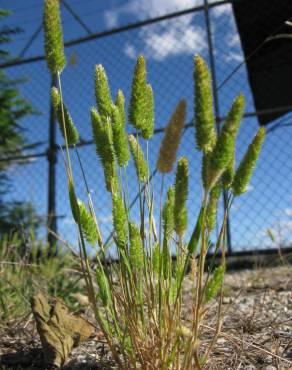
169	46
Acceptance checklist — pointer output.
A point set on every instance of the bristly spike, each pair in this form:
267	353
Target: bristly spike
211	214
102	93
139	159
54	47
214	284
102	136
88	225
120	139
147	132
120	221
138	101
120	104
181	194
224	149
168	227
171	139
204	116
71	131
136	246
244	172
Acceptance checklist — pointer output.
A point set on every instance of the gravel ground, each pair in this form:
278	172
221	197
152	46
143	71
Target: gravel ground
256	332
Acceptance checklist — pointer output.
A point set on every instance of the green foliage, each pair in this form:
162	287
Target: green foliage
181	194
204	117
214	284
102	135
139	159
120	139
73	200
54	48
64	118
172	136
243	173
13	108
102	93
138	103
25	267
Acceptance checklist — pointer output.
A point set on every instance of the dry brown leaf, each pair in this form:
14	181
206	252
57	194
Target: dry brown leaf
59	330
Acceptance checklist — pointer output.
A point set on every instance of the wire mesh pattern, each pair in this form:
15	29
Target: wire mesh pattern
169	46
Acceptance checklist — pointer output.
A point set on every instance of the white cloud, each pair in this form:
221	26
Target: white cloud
182	38
288	212
144	9
220	10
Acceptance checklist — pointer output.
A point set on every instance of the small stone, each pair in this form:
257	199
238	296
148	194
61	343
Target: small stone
270	367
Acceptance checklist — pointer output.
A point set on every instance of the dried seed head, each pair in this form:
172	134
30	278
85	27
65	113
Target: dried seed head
204	117
139	159
181	194
244	172
171	139
53	34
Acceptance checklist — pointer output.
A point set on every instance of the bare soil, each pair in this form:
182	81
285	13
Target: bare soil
256	332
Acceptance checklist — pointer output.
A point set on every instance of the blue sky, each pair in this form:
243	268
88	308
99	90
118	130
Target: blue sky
169	47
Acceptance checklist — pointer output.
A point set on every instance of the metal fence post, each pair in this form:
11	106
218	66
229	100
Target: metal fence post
52	159
216	105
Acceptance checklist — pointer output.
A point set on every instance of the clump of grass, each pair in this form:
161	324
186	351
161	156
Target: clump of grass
139	301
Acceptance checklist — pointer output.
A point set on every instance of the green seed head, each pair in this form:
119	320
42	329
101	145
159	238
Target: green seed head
138	102
223	152
168	227
147	132
54	47
120	139
103	287
181	194
120	221
139	159
204	117
102	135
102	93
88	224
244	172
212	207
120	104
136	247
171	139
214	284
73	200
228	174
64	118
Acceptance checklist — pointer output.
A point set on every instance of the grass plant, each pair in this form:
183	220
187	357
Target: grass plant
138	301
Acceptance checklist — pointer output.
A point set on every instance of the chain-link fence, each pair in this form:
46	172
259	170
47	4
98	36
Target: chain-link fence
169	44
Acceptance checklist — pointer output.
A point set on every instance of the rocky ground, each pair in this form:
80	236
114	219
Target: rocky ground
256	333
